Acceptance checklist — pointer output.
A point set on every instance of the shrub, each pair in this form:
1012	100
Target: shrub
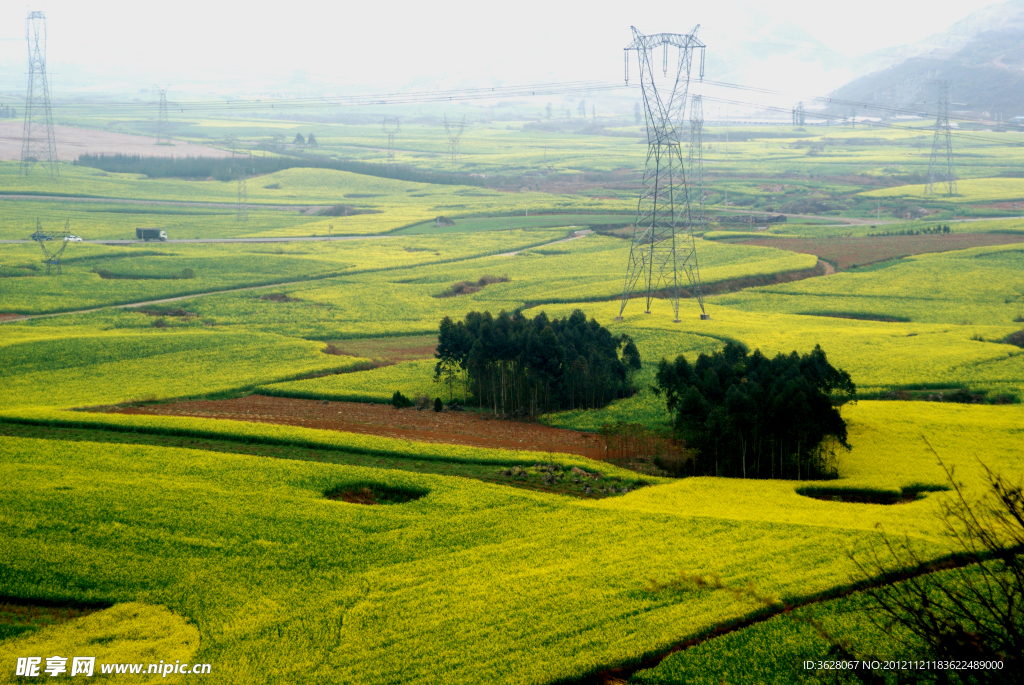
438	405
400	401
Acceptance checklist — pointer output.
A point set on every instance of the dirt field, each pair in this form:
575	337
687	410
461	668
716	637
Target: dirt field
458	428
847	252
391	350
72	142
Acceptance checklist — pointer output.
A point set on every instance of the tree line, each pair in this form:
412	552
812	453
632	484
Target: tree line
227	168
745	415
523	367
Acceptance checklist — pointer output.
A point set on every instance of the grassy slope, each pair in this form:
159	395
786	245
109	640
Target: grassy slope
473	582
251	553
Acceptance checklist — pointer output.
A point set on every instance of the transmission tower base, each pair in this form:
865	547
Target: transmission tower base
617	318
705	317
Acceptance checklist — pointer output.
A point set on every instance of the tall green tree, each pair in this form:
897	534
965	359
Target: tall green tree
749	416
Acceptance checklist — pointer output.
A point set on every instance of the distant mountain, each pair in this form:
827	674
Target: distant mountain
981	56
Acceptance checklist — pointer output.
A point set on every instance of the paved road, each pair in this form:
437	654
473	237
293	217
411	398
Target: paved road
302	209
130	305
283	239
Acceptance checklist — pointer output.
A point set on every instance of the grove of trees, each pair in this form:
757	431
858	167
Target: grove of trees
749	416
523	367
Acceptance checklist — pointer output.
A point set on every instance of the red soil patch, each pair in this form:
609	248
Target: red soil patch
1019	205
847	252
10	317
72	142
451	428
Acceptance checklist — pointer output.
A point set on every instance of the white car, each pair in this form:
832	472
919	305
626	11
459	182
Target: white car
72	239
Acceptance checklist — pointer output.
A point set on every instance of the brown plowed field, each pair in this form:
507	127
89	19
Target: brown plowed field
72	142
847	252
392	349
457	428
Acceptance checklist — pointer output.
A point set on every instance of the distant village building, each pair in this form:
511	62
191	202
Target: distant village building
443	221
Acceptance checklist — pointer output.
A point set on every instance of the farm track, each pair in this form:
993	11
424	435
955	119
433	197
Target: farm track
7	318
845	253
293	239
300	208
617	675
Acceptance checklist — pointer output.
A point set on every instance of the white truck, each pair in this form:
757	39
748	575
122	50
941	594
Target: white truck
148	234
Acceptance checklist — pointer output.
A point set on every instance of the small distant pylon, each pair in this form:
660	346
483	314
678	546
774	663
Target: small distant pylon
696	167
798	114
243	195
391	127
52	258
163	136
942	131
454	131
37	145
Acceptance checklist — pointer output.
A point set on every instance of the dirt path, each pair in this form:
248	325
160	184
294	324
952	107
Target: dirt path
575	236
621	674
448	427
861	251
283	239
302	209
7	317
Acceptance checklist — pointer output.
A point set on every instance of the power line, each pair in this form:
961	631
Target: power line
942	130
658	251
454	133
37	145
162	134
391	127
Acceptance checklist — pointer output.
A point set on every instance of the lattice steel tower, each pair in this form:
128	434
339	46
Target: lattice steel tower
391	127
454	131
243	194
53	256
38	143
942	131
695	164
163	136
663	243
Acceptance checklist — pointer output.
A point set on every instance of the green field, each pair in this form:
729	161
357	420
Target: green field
222	542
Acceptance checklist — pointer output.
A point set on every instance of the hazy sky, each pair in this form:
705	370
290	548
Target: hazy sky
379	45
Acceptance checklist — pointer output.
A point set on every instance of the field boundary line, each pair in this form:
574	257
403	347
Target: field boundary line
621	674
178	298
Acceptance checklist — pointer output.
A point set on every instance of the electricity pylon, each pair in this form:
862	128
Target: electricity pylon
798	114
942	130
663	244
163	136
695	164
243	195
454	131
38	143
52	258
391	127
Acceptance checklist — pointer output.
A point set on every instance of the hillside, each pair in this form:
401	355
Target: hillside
982	56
